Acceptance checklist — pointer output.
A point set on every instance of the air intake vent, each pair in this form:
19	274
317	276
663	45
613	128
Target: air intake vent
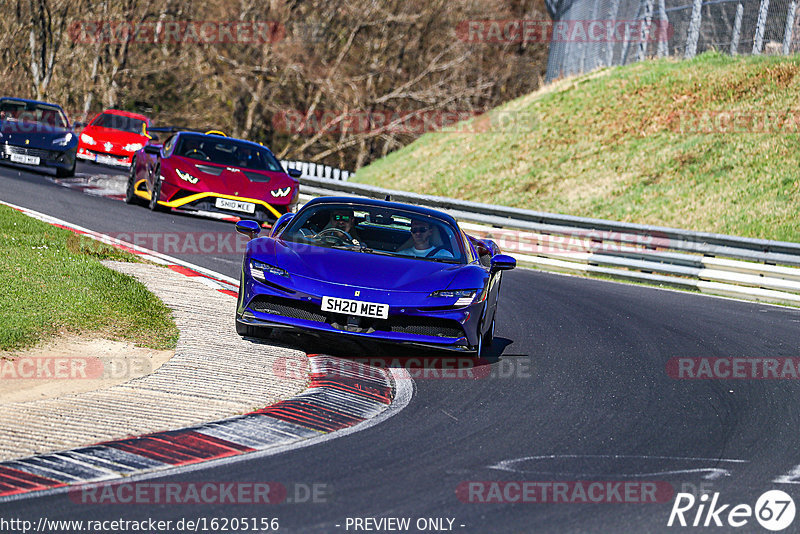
256	177
216	171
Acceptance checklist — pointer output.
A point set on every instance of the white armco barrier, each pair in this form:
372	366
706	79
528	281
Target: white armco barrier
746	268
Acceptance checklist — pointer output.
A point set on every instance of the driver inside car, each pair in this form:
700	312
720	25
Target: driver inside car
425	241
343	220
191	148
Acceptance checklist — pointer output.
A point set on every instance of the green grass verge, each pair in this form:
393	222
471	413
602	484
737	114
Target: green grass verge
642	143
52	282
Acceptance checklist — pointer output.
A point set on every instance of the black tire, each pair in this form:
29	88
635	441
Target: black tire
65	173
479	347
130	191
488	337
156	194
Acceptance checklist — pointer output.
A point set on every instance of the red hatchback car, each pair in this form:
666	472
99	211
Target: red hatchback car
213	173
113	137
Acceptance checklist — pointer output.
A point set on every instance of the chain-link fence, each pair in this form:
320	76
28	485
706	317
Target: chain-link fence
588	34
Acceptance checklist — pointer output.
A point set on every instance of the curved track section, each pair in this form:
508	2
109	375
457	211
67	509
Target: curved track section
579	390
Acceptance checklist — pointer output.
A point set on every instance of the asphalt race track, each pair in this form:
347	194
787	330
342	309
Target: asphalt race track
578	390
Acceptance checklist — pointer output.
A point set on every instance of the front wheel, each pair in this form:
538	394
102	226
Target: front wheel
130	191
156	194
478	349
65	173
488	337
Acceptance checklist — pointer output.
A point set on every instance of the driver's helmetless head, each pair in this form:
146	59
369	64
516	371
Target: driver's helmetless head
421	231
342	219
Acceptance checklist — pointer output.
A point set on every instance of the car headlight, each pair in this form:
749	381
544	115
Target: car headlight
281	192
186	176
133	147
464	296
63	141
259	268
88	139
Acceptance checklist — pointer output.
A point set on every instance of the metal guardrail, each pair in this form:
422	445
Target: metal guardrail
755	269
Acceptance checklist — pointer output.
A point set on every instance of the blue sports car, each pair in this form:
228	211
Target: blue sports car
37	133
373	269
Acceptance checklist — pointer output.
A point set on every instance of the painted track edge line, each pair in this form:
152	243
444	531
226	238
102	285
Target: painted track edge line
400	382
404	388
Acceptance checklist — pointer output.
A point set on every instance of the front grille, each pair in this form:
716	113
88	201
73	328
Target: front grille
182	193
295	309
109	154
421	326
26	151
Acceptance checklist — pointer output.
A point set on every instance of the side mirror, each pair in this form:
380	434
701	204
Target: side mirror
280	223
295	173
153	137
502	262
249	228
152	149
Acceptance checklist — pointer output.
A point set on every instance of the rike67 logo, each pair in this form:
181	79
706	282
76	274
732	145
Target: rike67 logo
774	510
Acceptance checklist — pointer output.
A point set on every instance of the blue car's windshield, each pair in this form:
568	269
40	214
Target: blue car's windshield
376	230
33	112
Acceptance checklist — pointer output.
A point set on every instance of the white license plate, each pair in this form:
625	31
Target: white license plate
236	205
355	307
106	160
28	160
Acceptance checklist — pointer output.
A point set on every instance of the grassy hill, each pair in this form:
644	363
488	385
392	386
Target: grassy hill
709	144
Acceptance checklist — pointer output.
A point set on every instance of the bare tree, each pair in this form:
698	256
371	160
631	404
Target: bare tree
388	63
47	24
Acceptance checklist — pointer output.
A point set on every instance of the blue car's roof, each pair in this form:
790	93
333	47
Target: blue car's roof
29	101
383	204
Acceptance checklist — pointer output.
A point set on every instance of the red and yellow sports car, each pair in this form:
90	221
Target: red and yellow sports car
113	137
213	173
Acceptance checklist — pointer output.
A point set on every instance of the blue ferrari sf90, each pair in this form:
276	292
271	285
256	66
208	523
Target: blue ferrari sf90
373	269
